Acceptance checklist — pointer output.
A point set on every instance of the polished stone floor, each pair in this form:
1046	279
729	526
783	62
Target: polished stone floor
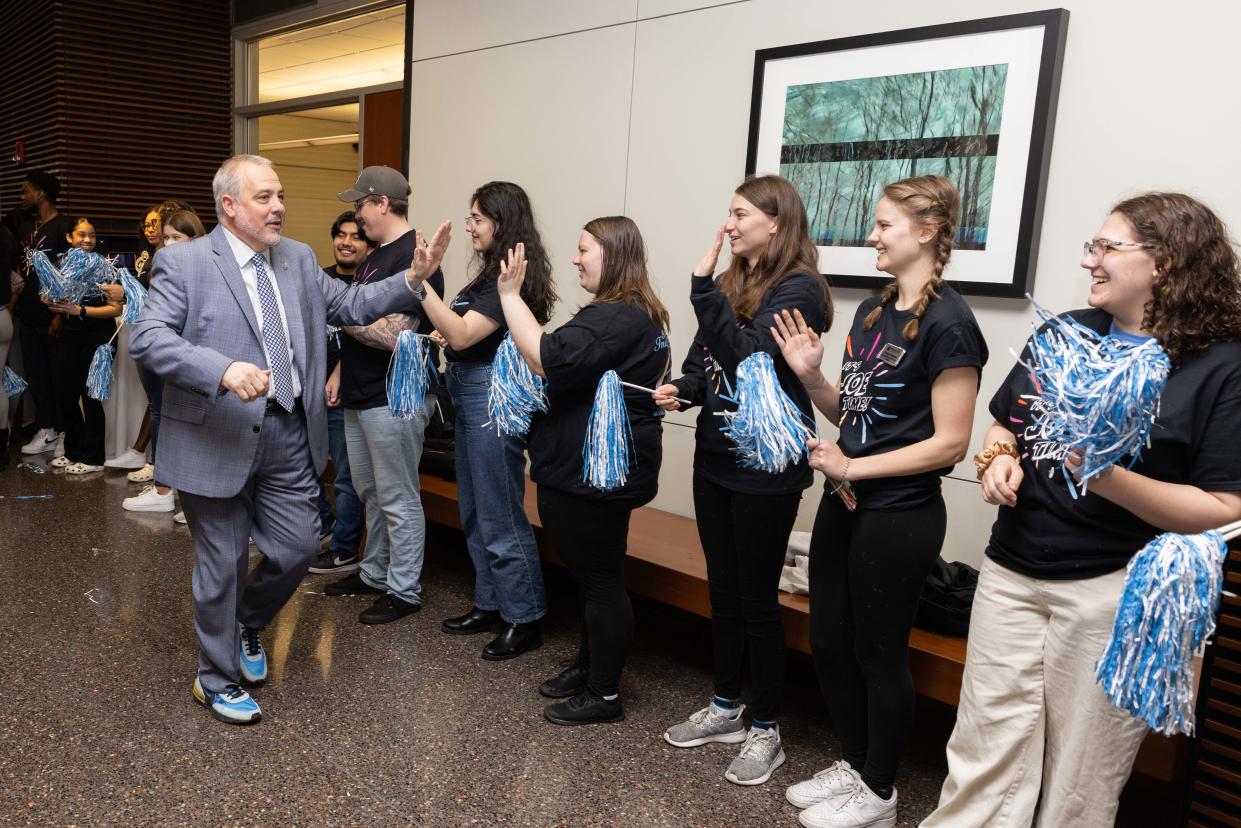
364	725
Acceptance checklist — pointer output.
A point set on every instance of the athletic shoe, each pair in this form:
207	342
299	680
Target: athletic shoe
583	709
761	754
862	808
59	462
43	440
570	682
82	468
149	500
711	724
233	706
253	657
179	518
829	783
387	608
330	562
144	475
60	445
129	459
351	585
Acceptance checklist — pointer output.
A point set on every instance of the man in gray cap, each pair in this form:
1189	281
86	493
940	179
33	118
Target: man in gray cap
384	450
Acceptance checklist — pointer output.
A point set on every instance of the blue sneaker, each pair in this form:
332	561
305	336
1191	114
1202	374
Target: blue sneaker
233	706
253	657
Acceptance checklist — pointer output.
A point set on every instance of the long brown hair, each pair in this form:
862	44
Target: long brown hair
508	207
1196	296
789	251
625	278
928	200
187	222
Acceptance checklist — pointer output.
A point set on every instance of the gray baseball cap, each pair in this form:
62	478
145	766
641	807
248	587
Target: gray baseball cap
377	181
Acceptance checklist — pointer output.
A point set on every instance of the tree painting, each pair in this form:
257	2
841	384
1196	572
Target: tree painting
845	140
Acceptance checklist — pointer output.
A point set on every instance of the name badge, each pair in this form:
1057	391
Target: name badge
891	354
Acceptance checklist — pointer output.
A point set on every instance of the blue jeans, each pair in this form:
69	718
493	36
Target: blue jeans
491	487
348	528
384	451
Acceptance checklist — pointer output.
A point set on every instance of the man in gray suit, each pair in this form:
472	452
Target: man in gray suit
234	325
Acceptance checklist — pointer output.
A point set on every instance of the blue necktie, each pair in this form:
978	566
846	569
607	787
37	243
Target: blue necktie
273	337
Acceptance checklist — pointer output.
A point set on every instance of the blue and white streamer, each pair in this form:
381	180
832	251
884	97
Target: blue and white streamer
99	377
1166	613
1101	394
609	437
52	284
768	429
135	295
516	392
14	385
409	375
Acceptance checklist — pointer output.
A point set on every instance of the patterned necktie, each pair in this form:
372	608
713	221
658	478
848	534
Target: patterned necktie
273	337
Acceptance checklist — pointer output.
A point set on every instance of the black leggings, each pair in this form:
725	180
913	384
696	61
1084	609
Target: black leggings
745	538
591	538
37	350
84	423
867	569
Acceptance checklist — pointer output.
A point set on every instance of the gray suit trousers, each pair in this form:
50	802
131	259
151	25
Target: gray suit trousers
278	507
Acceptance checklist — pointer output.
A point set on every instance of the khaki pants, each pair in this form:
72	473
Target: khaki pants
1032	720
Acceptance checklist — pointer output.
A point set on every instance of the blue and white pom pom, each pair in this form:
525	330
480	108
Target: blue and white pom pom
1101	393
83	272
768	429
99	377
516	392
135	295
14	385
1166	613
52	284
609	438
409	375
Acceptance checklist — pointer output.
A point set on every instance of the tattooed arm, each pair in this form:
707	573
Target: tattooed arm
381	333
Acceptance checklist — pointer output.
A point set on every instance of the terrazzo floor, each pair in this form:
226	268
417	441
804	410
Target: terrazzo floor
396	724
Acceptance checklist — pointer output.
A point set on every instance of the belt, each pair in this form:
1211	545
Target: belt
273	407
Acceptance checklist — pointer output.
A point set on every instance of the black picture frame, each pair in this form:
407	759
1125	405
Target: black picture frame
1020	237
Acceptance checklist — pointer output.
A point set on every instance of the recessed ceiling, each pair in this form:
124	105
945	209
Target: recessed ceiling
366	50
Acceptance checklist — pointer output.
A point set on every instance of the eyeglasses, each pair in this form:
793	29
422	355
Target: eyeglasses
472	221
362	202
1098	247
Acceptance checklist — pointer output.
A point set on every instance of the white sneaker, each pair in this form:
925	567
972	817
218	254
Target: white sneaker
829	783
149	500
179	517
862	808
144	475
43	439
129	459
60	444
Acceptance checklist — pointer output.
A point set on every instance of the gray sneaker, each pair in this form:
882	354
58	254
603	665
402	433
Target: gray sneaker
758	759
707	725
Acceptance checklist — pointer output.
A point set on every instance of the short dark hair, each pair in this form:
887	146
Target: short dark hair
46	182
349	217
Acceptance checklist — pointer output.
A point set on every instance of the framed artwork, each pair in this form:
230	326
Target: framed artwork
974	101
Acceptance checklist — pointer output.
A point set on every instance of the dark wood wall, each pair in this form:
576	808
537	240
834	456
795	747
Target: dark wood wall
128	101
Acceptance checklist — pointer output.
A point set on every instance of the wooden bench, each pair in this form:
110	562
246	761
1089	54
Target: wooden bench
666	563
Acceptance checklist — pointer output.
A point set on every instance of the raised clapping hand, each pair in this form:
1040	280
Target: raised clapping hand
665	397
427	257
801	347
248	382
1001	480
512	272
706	267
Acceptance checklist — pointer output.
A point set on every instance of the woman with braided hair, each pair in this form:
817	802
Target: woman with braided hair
905	406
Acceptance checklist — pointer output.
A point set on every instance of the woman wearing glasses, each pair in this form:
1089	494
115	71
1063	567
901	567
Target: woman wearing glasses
1034	731
491	468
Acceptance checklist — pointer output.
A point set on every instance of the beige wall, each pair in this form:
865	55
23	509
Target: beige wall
642	107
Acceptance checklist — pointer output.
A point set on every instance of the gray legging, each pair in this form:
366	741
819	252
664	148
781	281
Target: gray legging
6	338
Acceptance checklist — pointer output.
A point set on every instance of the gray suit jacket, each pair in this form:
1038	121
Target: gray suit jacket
198	319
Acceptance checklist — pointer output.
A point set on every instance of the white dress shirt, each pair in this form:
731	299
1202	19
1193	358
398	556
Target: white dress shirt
244	254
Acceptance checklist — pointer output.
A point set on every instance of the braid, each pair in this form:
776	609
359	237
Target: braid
930	290
889	293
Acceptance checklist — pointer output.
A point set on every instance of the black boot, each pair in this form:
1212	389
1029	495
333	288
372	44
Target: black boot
513	640
474	621
570	682
583	709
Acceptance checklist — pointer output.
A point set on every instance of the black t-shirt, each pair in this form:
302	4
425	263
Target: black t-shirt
333	338
364	370
1193	441
885	389
52	238
91	330
710	370
479	295
603	336
10	261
